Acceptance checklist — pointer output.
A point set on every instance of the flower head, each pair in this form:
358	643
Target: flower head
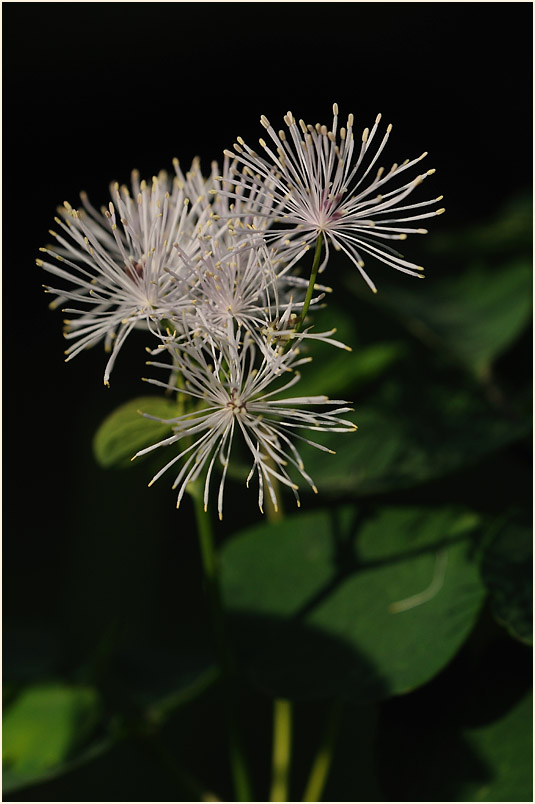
122	265
244	287
236	396
315	181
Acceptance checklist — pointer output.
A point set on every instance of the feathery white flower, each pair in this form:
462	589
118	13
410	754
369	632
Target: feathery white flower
116	263
233	396
315	182
244	287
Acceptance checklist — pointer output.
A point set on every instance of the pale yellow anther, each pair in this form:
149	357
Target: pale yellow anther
378	118
440	211
389	128
264	121
335	109
262	142
350	121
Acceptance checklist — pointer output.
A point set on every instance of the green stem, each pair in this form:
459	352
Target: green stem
311	282
324	757
186	781
211	573
282	748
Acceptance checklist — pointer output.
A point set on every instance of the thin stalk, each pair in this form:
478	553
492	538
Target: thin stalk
238	763
311	282
323	761
282	709
282	748
185	780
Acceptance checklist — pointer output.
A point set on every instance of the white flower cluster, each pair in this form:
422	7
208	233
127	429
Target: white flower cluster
206	265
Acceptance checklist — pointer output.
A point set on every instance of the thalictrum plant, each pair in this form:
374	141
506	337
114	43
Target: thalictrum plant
222	274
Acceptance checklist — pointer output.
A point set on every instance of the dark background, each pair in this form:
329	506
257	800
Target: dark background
92	90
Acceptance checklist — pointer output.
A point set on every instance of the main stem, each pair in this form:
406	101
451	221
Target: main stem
240	773
282	708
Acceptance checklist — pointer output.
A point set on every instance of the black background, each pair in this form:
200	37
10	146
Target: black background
92	90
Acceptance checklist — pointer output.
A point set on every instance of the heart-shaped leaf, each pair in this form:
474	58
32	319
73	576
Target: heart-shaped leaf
326	605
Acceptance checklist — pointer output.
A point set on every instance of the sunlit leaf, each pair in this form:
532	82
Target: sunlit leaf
42	728
125	431
340	603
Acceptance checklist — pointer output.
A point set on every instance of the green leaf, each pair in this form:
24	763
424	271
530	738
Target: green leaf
507	571
505	747
510	232
125	431
43	727
333	371
410	435
324	606
462	739
474	315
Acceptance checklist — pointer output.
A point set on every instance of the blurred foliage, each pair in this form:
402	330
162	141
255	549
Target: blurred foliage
407	594
43	727
507	571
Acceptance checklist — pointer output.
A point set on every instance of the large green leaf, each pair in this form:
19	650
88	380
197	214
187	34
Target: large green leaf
474	315
410	435
126	430
42	728
323	605
507	571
